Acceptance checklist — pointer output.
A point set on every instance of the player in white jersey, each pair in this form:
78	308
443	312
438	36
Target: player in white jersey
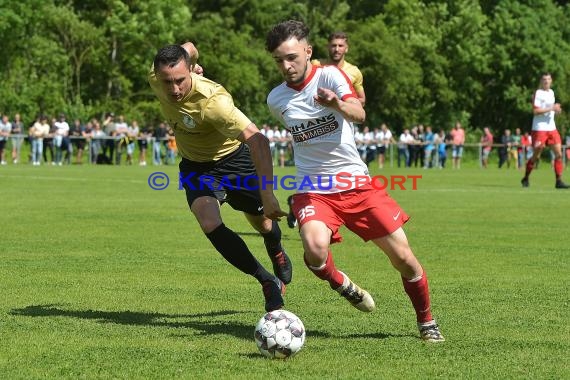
318	106
544	131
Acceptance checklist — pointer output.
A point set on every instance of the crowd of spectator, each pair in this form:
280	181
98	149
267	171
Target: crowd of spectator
114	140
54	141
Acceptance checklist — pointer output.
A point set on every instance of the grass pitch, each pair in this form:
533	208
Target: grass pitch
103	277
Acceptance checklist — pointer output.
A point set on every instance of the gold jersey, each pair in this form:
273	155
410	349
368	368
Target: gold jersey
206	122
352	71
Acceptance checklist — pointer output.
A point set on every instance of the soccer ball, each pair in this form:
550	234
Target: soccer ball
279	334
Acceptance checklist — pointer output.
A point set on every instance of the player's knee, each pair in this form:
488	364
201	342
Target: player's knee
315	258
403	258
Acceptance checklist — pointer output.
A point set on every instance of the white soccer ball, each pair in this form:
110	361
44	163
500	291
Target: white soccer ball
279	334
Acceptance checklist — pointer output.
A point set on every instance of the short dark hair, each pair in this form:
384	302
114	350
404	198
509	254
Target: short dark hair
170	55
284	31
338	36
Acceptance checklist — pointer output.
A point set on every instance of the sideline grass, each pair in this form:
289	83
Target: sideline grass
103	277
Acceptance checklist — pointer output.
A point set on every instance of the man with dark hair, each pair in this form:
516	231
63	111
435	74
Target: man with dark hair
218	142
544	131
337	48
318	106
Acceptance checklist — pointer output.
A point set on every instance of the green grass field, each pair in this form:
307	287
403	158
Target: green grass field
102	277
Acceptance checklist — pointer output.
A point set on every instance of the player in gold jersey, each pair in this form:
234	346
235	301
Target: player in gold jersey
338	47
224	156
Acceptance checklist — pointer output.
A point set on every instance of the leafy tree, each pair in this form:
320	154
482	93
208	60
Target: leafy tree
424	61
525	43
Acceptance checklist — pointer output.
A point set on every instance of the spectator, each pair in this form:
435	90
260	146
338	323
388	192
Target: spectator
360	146
486	146
77	133
5	130
369	144
121	139
159	135
429	146
270	133
109	143
441	143
131	139
457	143
98	144
48	143
38	132
281	144
526	143
505	148
171	151
384	138
517	151
143	139
415	146
17	138
403	152
61	139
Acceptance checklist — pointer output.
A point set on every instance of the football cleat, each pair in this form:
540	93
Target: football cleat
282	267
273	291
429	332
524	182
561	185
359	298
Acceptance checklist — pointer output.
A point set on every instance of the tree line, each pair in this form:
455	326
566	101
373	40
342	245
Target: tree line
428	62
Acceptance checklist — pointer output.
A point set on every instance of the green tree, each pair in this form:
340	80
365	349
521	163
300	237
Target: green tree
528	38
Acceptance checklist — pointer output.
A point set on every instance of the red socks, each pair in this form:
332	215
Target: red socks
558	168
418	291
529	167
328	272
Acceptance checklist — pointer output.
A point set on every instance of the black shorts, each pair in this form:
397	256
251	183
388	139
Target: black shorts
232	179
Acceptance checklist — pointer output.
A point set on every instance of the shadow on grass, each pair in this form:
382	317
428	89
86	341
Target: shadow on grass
146	319
379	335
289	233
209	327
133	318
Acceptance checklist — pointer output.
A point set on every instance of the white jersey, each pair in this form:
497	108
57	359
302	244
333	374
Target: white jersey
61	128
543	121
323	139
384	138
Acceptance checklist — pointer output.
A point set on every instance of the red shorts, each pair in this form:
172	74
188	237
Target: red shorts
542	138
368	212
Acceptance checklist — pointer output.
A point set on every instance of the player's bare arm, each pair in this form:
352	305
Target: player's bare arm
261	156
361	97
555	107
194	55
351	108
